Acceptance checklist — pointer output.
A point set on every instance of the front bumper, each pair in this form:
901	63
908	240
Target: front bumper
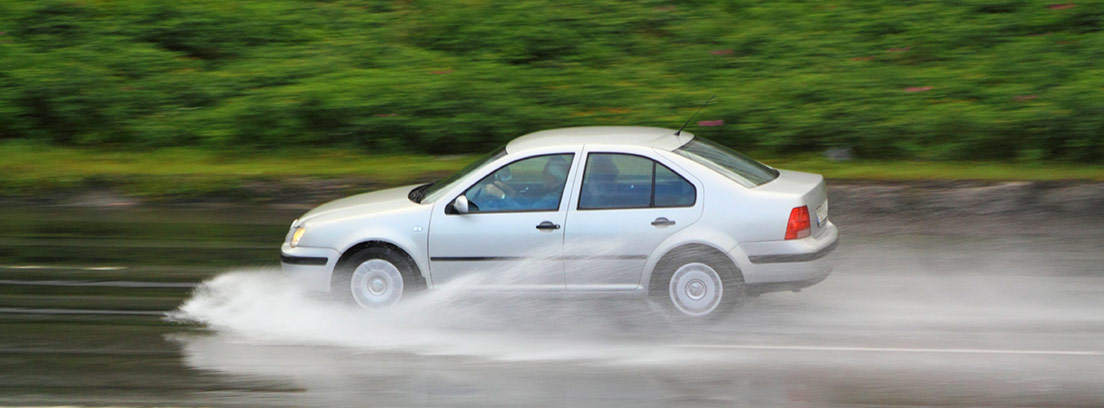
311	268
787	265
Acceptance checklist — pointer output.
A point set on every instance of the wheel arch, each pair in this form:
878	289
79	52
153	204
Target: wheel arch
351	251
704	249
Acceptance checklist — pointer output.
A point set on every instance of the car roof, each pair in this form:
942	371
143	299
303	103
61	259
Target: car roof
658	138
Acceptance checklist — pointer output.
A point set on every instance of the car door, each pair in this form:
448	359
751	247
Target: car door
512	235
628	204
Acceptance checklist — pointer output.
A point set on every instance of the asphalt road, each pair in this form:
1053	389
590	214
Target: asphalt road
975	311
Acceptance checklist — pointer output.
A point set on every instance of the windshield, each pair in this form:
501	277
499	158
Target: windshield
731	164
434	190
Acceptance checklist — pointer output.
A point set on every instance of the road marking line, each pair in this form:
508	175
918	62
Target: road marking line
105	284
82	268
892	349
28	310
104	268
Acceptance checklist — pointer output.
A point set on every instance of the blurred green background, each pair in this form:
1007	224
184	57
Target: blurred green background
1012	80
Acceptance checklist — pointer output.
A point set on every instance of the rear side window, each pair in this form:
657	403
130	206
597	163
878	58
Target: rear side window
614	180
671	190
728	162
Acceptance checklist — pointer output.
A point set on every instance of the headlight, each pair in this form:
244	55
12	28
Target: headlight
298	234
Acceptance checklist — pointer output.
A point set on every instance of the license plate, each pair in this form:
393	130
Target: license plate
822	213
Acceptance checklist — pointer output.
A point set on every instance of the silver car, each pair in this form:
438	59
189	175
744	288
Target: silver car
636	211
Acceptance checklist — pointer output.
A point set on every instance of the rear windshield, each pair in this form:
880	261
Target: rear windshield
739	168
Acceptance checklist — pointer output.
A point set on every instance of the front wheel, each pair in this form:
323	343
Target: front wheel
693	289
374	278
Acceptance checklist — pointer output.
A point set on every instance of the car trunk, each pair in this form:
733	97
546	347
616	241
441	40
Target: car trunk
807	189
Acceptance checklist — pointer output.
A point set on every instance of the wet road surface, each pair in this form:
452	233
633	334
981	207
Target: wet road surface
975	311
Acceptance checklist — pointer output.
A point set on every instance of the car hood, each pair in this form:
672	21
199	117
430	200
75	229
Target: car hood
391	199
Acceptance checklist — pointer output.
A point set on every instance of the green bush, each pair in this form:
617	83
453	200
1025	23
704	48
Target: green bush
951	80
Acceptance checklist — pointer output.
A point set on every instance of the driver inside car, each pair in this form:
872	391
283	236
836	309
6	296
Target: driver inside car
500	196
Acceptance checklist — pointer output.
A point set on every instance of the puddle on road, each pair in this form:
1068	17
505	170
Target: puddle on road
855	308
886	326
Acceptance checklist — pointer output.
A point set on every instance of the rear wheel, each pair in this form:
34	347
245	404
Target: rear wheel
697	286
375	277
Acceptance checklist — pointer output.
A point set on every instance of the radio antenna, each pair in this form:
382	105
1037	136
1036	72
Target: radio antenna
677	132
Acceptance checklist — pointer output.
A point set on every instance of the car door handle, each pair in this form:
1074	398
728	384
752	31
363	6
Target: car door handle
662	222
548	225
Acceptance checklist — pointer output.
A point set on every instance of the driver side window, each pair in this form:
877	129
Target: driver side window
531	184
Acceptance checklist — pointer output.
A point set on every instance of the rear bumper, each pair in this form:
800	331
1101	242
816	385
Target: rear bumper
310	268
787	265
793	258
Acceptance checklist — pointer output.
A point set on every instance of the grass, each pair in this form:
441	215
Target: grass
30	170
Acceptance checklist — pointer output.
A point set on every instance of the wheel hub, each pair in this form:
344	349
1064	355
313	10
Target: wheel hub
695	289
377	286
376	283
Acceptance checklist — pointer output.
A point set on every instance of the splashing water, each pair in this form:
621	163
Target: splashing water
263	307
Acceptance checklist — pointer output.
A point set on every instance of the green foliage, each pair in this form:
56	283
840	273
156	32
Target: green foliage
950	80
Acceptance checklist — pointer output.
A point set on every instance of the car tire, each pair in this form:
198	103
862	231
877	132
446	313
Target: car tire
693	286
375	277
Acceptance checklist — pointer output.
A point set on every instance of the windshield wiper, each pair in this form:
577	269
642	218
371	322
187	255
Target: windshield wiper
418	193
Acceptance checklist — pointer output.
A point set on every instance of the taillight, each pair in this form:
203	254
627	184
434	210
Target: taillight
799	226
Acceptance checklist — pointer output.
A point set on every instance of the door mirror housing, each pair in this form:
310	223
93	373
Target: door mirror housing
460	204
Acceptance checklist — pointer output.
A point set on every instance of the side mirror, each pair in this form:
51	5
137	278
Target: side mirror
460	204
